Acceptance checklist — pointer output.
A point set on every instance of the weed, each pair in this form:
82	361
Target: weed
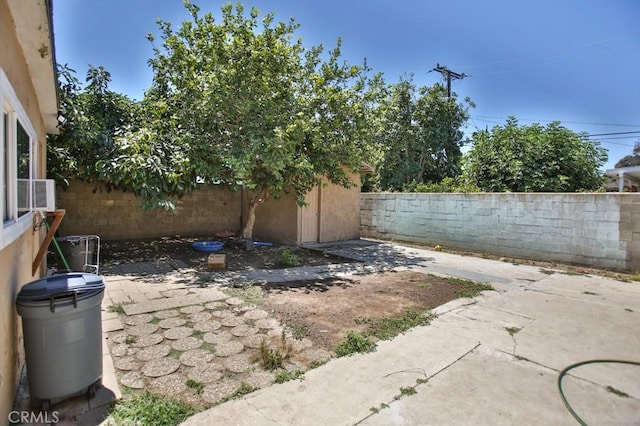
521	358
174	353
118	308
425	284
472	288
290	258
547	271
197	386
512	330
388	328
154	320
590	293
409	390
286	375
635	276
242	390
130	340
617	392
374	410
251	294
208	347
150	409
197	334
317	363
298	330
354	342
272	359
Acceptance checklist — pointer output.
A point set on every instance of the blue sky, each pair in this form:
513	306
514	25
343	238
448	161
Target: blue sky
574	61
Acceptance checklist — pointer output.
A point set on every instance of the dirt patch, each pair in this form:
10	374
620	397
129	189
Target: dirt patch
323	311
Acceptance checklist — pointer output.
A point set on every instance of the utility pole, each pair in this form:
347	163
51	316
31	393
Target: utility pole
449	75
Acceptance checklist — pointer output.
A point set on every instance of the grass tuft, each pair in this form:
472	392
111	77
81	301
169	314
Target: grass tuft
147	409
353	343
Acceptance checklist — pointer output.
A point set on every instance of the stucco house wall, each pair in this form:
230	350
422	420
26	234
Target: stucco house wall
33	99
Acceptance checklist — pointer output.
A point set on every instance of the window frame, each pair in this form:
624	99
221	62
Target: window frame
15	225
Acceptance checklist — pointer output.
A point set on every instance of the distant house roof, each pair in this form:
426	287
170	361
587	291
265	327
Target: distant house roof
621	173
365	168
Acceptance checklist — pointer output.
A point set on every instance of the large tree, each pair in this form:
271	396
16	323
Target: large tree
631	160
421	135
94	116
240	102
534	158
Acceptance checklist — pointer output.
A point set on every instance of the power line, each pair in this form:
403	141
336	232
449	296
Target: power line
551	121
614	134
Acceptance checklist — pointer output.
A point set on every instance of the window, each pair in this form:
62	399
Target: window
17	154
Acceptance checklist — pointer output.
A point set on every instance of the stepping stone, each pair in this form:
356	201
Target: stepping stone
153	352
207	326
138	319
172	322
178	333
149	340
243	330
133	380
192	309
186	343
169	313
123	349
260	378
300	345
232	321
217	338
171	385
200	317
196	357
206	373
160	367
119	337
239	363
222	314
255	341
255	314
142	329
214	392
229	348
234	301
126	364
268	323
244	308
215	305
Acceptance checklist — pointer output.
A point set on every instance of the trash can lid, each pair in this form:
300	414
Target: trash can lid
44	288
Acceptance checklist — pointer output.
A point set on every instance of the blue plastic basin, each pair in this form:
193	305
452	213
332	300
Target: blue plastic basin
208	245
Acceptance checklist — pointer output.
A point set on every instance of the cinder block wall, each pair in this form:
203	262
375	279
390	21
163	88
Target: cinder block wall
599	230
118	215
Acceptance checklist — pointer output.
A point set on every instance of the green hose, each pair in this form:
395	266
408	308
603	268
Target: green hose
571	367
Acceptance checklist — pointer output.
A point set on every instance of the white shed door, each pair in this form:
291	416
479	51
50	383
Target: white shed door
310	217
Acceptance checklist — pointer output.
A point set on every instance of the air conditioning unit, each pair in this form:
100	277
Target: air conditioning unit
36	195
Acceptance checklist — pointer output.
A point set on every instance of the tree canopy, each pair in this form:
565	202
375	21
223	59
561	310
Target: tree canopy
420	135
630	160
534	158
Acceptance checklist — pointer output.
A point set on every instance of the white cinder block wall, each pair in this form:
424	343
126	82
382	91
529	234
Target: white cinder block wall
599	230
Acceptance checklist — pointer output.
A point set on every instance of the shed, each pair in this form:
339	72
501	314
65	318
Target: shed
332	213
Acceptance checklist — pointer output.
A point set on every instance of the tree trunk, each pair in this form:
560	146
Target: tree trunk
260	197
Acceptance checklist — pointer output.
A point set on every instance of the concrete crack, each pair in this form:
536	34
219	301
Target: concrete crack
261	413
421	381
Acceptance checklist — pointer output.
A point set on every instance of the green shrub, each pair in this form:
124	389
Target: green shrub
355	342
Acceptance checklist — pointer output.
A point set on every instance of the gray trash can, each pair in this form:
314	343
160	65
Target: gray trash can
62	327
78	250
